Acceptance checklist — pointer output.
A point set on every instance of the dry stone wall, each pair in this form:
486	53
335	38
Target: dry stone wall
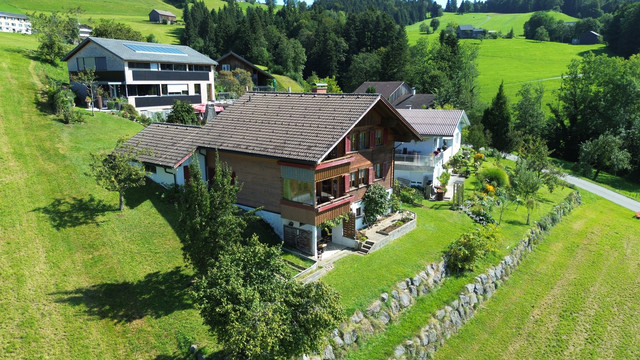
446	321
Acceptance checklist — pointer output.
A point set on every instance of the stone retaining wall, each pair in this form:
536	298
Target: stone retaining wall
448	320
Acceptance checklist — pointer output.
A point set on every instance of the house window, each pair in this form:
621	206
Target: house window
379	139
358	211
166	67
378	170
354	179
363	141
354	142
179	67
298	191
139	65
95	63
143	90
226	67
196	89
150	168
175	89
363	177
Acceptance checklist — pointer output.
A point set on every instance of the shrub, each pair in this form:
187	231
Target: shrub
463	254
407	195
376	202
128	111
71	116
144	120
493	175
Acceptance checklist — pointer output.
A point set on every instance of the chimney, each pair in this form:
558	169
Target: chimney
289	88
413	91
319	88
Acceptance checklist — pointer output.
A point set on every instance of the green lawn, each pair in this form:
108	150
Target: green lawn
80	280
381	275
514	61
575	297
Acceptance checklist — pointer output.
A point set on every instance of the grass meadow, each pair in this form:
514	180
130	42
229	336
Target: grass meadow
514	61
575	297
80	280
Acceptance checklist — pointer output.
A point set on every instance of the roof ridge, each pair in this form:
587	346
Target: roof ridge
310	94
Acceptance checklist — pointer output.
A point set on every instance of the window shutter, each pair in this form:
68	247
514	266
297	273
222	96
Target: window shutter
372	175
372	139
347	183
385	136
347	144
386	170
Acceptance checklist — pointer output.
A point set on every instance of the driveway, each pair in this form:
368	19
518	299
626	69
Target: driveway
596	189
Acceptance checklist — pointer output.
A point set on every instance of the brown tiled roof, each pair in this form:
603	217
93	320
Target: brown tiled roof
169	144
416	101
293	126
429	122
384	88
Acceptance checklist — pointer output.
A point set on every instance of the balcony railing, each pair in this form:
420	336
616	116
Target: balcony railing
417	160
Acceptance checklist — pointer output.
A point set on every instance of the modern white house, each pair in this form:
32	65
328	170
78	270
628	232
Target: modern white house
420	162
15	23
150	76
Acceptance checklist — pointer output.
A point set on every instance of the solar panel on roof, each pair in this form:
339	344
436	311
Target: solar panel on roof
154	49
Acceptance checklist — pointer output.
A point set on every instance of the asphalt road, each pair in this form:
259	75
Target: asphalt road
604	192
597	189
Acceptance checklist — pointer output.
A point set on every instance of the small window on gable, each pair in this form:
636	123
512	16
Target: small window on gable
363	140
359	211
379	139
226	67
354	142
354	179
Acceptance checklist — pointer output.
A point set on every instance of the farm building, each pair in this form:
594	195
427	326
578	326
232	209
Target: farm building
160	16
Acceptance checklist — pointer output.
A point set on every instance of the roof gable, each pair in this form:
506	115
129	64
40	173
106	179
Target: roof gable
126	50
384	88
242	59
429	122
293	126
168	144
162	12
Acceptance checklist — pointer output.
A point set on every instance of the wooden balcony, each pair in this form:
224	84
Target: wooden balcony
308	214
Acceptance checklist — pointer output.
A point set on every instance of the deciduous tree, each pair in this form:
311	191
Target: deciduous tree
605	153
118	170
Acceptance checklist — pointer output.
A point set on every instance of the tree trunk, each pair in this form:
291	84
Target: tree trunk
121	201
595	176
528	217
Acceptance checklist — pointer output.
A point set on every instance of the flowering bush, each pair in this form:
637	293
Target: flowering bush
478	157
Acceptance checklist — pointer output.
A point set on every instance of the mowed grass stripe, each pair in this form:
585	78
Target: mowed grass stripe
576	296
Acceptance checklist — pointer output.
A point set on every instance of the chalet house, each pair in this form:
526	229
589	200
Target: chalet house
15	23
150	76
420	162
161	16
399	94
469	32
303	158
262	80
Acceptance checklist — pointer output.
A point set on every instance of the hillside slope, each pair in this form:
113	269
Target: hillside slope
80	280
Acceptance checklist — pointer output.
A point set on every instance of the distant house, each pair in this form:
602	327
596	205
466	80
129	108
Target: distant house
15	23
420	162
160	16
262	80
469	32
399	94
588	38
303	158
150	76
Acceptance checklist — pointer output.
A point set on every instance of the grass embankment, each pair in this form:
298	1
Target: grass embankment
373	273
576	296
80	280
622	185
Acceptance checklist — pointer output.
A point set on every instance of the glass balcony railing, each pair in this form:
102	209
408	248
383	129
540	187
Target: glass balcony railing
418	159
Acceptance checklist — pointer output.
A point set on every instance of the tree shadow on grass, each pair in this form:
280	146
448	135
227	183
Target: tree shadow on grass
67	213
515	222
157	295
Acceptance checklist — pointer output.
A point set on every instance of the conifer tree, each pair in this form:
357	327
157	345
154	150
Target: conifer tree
497	119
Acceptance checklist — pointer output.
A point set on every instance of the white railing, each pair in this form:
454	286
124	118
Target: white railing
418	159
